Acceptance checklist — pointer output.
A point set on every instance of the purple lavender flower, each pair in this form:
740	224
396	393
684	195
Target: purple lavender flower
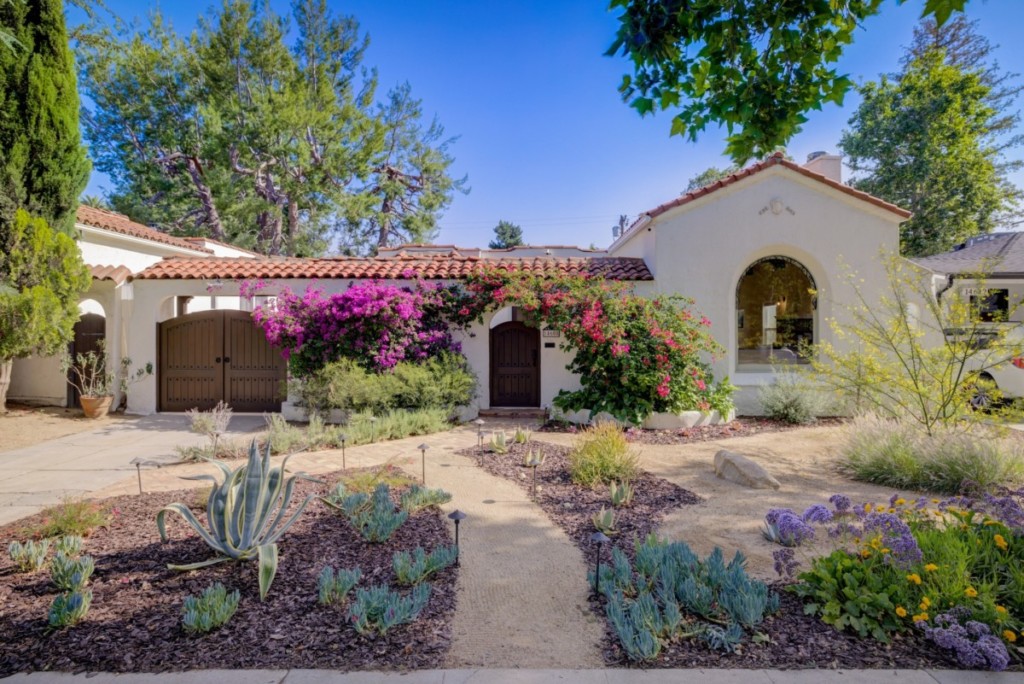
844	529
841	502
817	513
785	563
783	526
896	535
973	643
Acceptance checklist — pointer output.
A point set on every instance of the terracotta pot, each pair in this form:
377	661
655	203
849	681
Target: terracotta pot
95	407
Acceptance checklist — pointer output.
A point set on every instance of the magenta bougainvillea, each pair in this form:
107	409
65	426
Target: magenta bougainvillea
376	324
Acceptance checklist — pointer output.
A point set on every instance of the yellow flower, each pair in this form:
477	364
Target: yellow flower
900	502
990	522
935	501
931	567
867	508
920	617
938	513
914	577
886	550
970	592
901	611
926	603
1001	610
1000	542
865	553
1009	635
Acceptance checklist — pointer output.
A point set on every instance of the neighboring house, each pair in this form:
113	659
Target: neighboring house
988	271
760	252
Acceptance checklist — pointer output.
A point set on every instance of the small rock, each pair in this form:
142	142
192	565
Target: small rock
741	470
567	505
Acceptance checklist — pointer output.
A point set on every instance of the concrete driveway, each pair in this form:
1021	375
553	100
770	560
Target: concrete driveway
75	465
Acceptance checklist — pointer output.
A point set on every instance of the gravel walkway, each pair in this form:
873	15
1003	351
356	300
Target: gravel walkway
522	589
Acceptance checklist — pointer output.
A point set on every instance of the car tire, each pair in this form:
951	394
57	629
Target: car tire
981	398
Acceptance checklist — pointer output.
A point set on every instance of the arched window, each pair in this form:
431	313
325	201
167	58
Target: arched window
775	303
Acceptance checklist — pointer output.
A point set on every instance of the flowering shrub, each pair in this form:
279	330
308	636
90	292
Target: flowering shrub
894	565
376	324
634	355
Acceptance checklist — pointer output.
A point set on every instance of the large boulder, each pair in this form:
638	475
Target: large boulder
739	469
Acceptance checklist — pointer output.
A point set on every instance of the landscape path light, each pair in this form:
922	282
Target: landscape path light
373	429
138	463
343	437
457	516
423	457
533	460
480	434
600	538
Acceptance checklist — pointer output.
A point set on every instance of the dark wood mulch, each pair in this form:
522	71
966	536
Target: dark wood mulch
740	427
795	640
571	507
134	624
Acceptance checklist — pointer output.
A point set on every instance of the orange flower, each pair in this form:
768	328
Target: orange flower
1009	635
1000	542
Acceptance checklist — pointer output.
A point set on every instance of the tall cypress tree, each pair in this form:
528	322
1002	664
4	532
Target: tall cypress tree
43	165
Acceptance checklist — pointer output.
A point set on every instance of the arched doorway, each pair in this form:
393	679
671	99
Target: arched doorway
776	298
90	334
515	365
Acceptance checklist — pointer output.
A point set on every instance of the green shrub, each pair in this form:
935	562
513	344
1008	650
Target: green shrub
792	399
334	586
30	556
69	609
669	593
411	569
378	609
367	481
71	574
211	609
74	517
899	455
601	455
418	498
373	516
361	428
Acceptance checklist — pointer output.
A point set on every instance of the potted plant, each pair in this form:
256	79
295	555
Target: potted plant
89	374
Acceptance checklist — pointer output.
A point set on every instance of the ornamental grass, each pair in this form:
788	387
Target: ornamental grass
601	455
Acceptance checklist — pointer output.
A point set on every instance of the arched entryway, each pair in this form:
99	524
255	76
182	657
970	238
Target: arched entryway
776	300
210	356
90	335
515	365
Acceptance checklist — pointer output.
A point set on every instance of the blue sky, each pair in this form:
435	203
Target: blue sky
543	136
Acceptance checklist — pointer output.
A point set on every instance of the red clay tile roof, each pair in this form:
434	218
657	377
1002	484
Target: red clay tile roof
198	242
775	160
117	274
119	223
433	267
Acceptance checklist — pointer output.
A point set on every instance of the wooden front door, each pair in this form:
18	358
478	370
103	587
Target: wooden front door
90	332
213	356
515	365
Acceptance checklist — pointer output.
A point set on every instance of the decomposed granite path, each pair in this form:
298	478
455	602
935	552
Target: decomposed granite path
522	583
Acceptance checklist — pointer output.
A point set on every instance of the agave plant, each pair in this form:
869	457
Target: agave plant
245	514
499	442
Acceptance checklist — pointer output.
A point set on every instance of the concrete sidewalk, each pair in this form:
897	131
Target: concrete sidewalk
82	463
607	676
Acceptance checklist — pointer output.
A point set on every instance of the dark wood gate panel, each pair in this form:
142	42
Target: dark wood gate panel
90	332
209	356
253	370
515	365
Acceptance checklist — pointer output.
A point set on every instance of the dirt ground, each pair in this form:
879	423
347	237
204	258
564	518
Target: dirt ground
24	426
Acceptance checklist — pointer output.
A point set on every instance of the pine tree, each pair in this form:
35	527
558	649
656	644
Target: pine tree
506	234
43	166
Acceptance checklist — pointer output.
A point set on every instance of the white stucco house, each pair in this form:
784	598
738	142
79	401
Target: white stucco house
760	252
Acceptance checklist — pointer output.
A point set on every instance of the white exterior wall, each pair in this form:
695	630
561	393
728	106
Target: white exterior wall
701	249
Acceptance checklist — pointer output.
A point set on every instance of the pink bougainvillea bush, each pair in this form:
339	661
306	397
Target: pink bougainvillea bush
375	324
634	355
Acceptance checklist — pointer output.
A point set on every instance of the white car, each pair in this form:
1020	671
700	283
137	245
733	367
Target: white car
1006	377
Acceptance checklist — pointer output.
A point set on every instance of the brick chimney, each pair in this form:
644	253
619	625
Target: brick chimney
828	165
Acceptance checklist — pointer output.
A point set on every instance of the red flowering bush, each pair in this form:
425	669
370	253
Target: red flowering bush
634	356
375	324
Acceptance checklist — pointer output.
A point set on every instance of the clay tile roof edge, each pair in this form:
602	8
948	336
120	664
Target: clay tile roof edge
103	219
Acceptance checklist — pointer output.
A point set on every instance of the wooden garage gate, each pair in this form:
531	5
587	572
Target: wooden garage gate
209	356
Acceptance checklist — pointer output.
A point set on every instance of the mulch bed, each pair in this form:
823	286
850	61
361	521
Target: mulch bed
795	640
740	427
134	624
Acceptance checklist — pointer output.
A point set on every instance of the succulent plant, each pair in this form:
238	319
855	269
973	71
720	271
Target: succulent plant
69	545
71	574
374	516
605	520
69	609
522	436
211	609
499	442
621	493
29	556
411	569
378	608
533	459
418	498
334	586
245	514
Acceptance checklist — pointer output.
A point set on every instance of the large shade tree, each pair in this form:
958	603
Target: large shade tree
260	131
754	66
921	140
